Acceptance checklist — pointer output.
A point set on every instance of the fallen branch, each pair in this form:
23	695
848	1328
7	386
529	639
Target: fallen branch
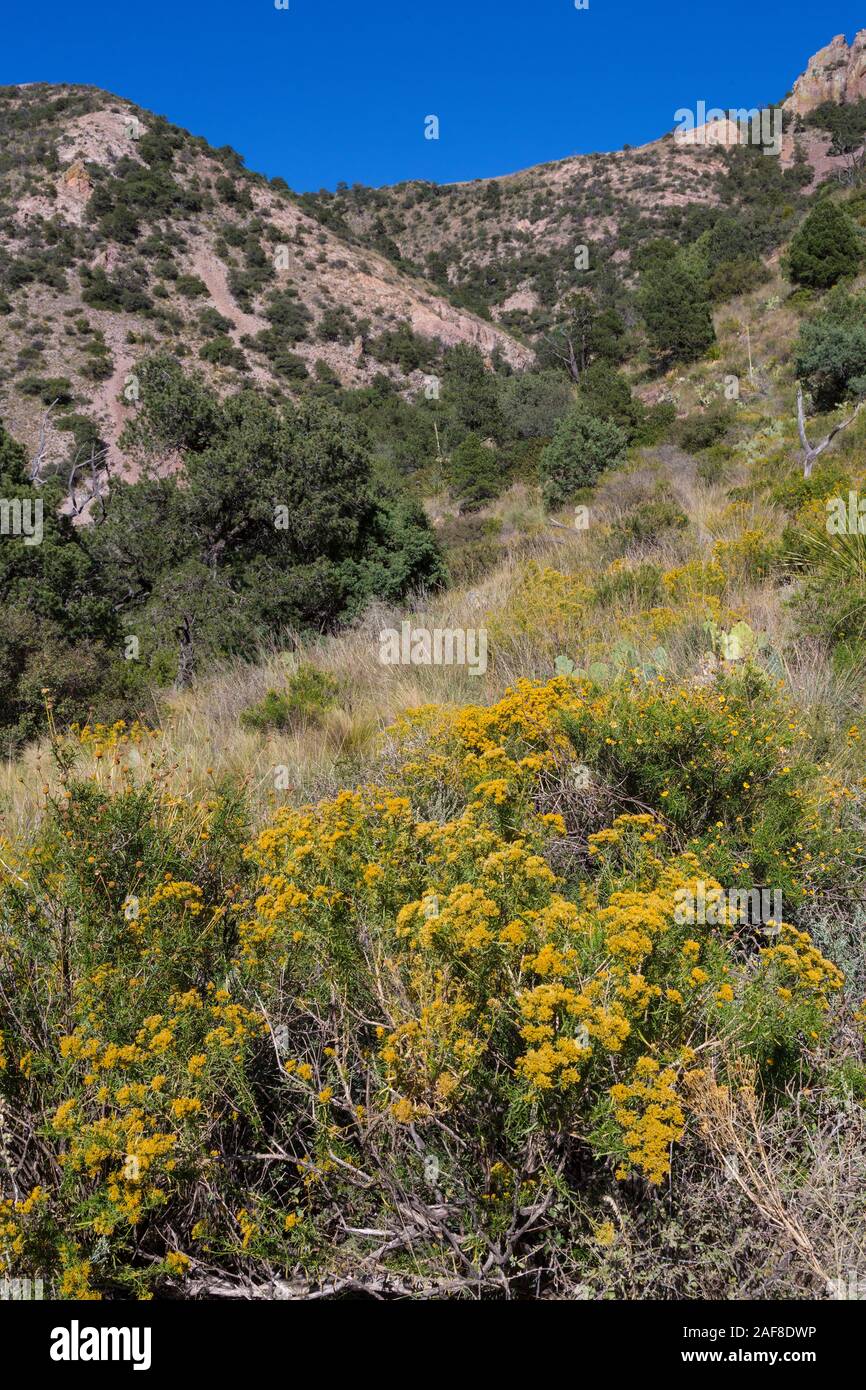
378	1286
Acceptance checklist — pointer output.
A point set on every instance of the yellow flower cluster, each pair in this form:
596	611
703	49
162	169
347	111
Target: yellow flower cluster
110	736
428	972
748	555
544	601
651	1116
483	966
695	580
802	965
428	1056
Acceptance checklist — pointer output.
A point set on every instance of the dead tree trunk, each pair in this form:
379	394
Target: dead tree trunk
810	452
34	471
186	659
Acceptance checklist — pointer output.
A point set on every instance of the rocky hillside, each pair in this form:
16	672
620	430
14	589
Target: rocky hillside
506	247
119	232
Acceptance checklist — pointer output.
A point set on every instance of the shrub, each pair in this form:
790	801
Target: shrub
471	547
533	403
604	392
337	325
290	318
236	195
651	518
824	248
475	477
376	987
120	224
48	389
245	285
408	350
222	351
124	293
470	395
832	601
84	431
727	766
676	310
642	585
702	430
656	423
582	448
308	693
280	359
191	286
831	350
212	322
736	277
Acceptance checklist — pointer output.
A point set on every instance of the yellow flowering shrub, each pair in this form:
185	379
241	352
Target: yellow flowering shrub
544	601
694	580
490	980
240	1052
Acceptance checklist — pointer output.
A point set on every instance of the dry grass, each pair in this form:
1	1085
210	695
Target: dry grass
202	741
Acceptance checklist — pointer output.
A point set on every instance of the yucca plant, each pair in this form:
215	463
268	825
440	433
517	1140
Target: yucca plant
835	570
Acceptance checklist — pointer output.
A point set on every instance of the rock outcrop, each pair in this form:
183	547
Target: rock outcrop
835	73
77	180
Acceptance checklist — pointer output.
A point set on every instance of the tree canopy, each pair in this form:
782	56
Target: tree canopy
248	520
825	248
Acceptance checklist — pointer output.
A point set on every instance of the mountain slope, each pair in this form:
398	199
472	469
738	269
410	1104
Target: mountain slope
505	246
120	233
117	230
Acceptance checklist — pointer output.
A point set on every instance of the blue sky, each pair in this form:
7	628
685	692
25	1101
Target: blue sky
339	89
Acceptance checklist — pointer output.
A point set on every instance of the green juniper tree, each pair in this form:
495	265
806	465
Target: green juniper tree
582	448
825	248
475	477
273	524
676	311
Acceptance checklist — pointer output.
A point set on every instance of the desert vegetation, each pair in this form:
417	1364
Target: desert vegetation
323	972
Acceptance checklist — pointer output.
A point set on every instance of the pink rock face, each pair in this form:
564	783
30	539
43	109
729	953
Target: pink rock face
78	179
836	73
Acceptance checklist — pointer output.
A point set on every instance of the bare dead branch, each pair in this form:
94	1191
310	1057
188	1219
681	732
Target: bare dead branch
812	452
35	468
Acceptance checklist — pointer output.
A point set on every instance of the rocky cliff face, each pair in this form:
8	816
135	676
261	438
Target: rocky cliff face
835	73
